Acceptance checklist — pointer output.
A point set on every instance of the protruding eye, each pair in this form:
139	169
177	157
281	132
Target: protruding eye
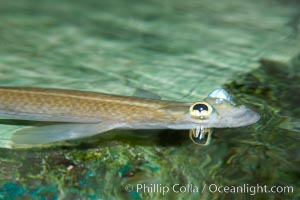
200	110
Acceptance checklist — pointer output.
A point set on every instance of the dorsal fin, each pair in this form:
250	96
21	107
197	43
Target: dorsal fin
145	94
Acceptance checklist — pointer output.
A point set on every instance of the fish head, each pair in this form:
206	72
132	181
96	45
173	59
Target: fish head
218	110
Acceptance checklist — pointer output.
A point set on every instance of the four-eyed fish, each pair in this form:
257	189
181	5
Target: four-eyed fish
89	113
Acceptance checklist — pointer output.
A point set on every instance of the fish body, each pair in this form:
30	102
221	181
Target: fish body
88	113
57	105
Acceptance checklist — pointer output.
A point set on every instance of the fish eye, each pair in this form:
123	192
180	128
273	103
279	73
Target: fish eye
200	110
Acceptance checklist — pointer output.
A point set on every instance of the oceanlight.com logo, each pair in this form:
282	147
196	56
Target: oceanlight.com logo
250	189
211	188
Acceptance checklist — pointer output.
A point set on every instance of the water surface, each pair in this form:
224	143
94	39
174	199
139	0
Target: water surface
180	50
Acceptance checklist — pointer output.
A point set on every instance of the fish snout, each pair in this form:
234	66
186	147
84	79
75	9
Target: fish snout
242	117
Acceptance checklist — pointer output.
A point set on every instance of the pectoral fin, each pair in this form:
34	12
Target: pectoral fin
58	132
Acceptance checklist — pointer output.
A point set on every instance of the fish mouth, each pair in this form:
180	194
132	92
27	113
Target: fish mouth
243	117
